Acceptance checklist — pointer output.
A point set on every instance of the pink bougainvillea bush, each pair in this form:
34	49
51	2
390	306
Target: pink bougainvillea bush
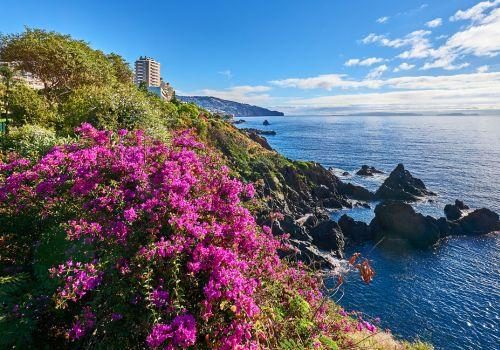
140	244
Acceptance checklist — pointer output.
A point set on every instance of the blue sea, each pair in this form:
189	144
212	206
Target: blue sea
448	295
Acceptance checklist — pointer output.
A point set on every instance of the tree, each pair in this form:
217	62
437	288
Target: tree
121	68
60	62
121	106
6	75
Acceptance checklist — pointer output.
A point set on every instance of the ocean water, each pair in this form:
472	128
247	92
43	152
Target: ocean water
450	294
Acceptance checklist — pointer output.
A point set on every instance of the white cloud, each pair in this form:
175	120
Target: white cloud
366	62
483	69
420	46
417	41
482	38
429	82
382	40
325	81
382	19
376	72
476	12
461	91
434	23
403	66
227	73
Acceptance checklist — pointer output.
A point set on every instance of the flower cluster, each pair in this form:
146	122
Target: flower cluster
162	231
180	333
79	279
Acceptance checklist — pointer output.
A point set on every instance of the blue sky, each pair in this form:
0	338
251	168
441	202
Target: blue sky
315	56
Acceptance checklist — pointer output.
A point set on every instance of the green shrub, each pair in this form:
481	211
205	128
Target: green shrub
30	141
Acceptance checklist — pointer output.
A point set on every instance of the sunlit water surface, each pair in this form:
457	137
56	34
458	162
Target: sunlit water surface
448	295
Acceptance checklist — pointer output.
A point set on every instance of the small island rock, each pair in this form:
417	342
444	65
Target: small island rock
401	185
266	123
368	171
480	221
395	219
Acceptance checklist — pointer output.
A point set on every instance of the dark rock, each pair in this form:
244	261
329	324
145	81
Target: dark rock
328	236
239	121
355	192
332	203
345	173
308	221
259	131
460	205
395	219
368	171
260	140
322	192
311	221
266	123
444	227
289	226
354	231
480	221
401	185
311	255
452	212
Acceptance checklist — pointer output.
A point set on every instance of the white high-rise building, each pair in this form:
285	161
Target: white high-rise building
147	70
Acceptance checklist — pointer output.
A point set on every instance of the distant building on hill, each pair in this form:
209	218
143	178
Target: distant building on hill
165	91
147	71
26	77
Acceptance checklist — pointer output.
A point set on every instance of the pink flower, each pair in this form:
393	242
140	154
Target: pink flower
180	333
130	215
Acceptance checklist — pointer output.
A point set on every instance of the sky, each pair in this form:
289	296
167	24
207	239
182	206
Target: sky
316	56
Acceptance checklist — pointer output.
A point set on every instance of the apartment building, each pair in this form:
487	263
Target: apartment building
147	70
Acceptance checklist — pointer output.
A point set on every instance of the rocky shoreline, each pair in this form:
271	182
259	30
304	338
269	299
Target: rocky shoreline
319	240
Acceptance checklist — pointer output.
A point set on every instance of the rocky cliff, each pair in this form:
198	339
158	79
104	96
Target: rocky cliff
220	106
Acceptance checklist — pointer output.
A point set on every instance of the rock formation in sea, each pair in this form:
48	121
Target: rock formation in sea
454	211
368	171
401	185
396	219
354	231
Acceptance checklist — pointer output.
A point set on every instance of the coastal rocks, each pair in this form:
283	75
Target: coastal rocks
401	185
355	192
452	211
345	173
480	221
354	231
266	123
368	171
311	255
395	219
260	140
328	236
259	131
460	205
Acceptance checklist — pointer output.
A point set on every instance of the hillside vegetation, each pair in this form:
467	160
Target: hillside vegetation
131	222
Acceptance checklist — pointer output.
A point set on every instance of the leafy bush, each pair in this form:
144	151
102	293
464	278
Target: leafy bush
27	106
30	141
